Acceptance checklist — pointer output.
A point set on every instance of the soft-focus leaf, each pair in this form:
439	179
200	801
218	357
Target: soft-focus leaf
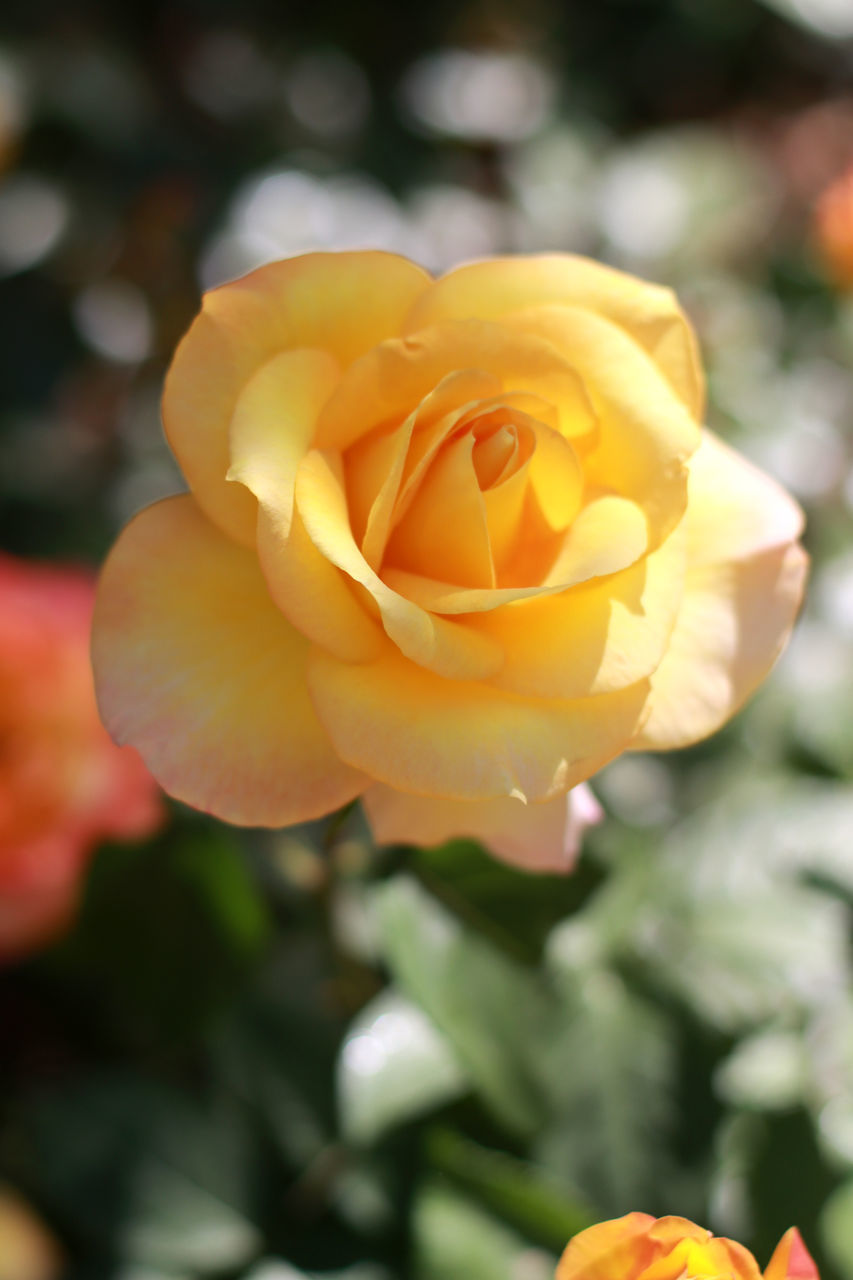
518	1192
394	1064
140	1170
766	1071
836	1224
188	905
721	914
455	1238
610	1075
489	1008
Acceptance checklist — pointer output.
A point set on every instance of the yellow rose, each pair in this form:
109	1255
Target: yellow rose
639	1247
451	545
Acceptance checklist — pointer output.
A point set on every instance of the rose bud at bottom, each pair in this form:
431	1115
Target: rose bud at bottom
639	1247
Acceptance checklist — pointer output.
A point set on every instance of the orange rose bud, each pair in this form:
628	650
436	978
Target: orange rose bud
63	784
834	229
639	1247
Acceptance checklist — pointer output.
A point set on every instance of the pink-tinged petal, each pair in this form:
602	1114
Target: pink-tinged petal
390	381
596	638
615	1250
197	669
734	509
535	837
273	426
646	433
341	303
733	623
791	1259
448	648
419	733
649	313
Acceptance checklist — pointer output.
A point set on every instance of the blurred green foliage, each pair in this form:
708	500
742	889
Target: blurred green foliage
283	1055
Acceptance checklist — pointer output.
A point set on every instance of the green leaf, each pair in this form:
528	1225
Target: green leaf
836	1229
765	1072
610	1074
167	933
521	1194
140	1171
488	1007
721	915
394	1064
453	1237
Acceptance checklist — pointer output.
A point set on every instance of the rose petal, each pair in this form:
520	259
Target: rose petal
448	648
418	733
609	1250
313	594
791	1259
196	667
273	425
535	837
608	535
646	433
597	638
388	382
445	529
648	312
734	510
343	303
733	623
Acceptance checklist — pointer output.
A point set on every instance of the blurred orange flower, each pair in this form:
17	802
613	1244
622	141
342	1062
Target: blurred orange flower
639	1247
63	784
834	229
27	1250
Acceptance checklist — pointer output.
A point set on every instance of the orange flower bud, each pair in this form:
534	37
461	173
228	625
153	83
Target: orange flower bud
639	1247
834	229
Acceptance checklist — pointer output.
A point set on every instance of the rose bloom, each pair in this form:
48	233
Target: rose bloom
451	545
638	1247
63	784
833	226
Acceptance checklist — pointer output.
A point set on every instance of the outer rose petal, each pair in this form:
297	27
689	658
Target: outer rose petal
734	621
616	1250
388	382
273	425
196	666
733	509
648	312
743	588
791	1260
535	837
422	734
646	434
343	303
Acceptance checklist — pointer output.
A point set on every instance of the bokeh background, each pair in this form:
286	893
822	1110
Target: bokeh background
279	1055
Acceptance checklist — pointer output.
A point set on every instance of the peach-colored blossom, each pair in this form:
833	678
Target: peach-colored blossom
450	545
